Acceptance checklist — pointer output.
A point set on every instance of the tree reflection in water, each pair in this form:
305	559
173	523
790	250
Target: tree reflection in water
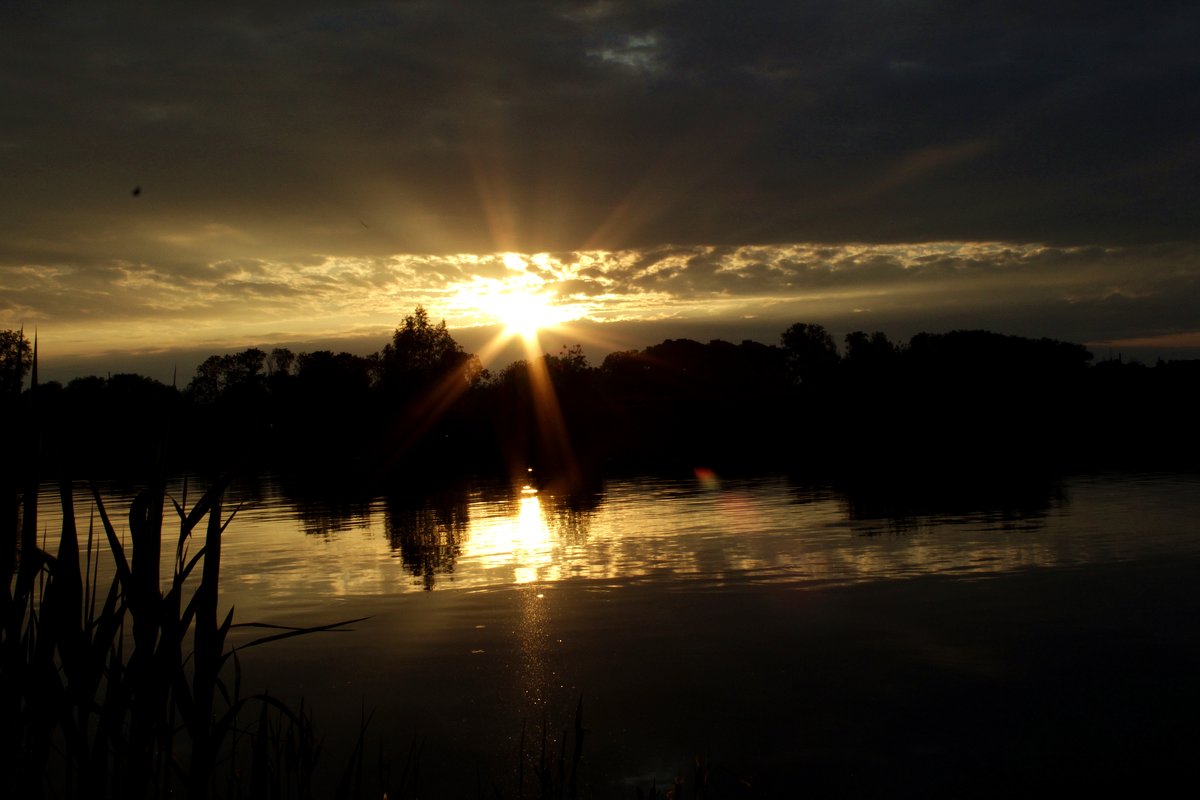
571	514
327	518
515	526
911	503
428	531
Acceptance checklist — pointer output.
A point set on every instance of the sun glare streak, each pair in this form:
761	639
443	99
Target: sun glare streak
556	443
429	408
596	336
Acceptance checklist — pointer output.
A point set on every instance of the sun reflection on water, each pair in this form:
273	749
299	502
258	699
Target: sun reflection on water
520	538
533	629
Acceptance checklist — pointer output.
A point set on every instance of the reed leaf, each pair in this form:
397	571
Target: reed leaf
114	543
290	631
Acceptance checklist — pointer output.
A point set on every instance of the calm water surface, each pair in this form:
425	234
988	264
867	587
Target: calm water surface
870	642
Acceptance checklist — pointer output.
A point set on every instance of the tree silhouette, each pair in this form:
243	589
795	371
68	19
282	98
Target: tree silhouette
870	360
16	357
869	352
421	354
569	363
624	366
423	406
219	375
984	356
280	361
809	351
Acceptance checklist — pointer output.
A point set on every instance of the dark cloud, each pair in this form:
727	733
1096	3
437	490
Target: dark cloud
373	128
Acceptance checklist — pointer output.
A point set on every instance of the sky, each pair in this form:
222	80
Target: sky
307	173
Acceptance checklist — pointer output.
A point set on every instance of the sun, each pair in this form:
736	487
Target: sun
524	312
523	306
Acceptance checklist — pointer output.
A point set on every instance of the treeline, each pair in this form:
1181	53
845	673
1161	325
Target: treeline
421	406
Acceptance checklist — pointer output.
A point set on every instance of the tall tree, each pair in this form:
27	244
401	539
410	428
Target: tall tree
16	357
422	353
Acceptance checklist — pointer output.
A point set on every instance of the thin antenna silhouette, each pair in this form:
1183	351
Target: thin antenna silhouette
33	374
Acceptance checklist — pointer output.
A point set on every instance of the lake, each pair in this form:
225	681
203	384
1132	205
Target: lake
977	639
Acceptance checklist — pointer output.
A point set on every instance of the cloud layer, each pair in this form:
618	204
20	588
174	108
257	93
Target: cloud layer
1079	293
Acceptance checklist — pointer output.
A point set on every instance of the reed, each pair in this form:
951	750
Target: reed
125	686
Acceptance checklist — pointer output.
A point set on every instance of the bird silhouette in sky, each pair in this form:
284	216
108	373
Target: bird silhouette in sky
136	191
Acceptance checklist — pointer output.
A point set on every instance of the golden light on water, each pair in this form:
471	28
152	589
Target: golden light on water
522	541
532	533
